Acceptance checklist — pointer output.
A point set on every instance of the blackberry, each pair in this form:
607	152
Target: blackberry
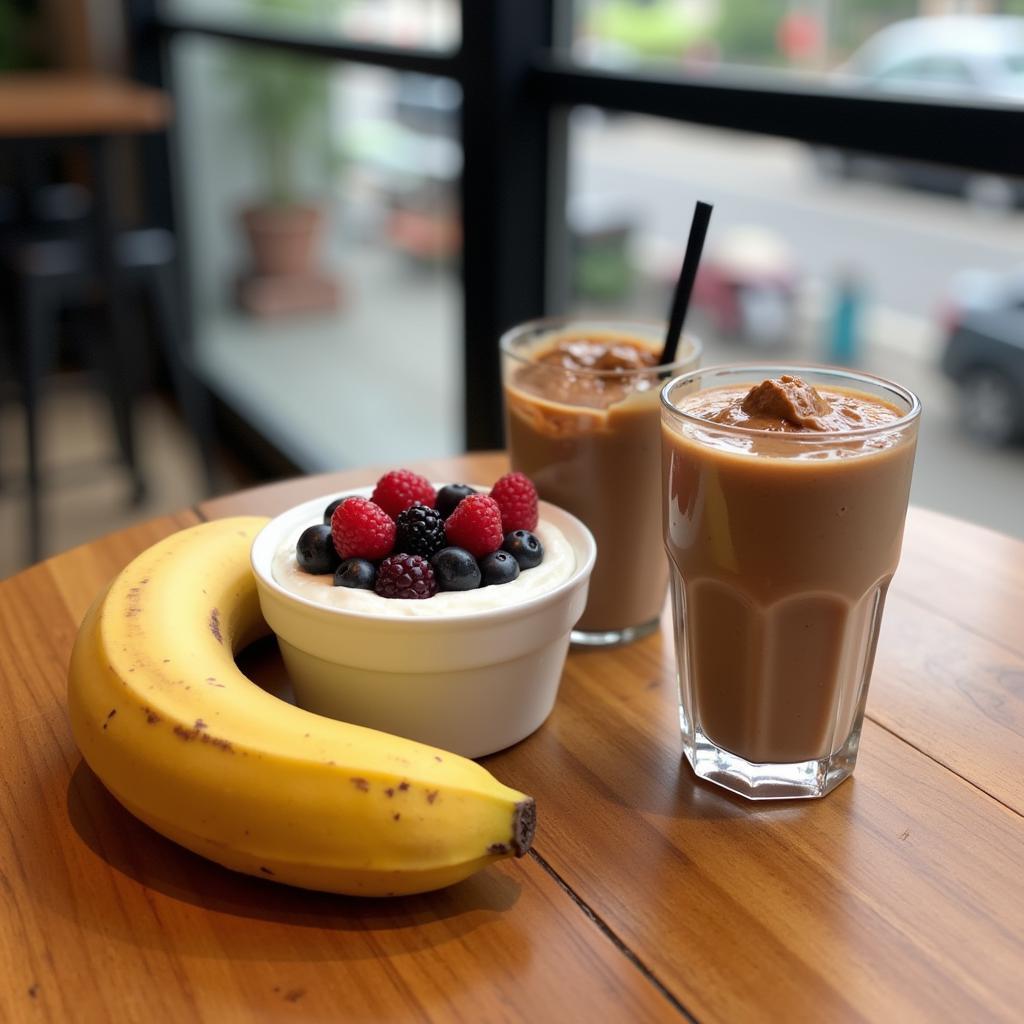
420	531
406	576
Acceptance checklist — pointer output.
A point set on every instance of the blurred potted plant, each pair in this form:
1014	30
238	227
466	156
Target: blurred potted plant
283	101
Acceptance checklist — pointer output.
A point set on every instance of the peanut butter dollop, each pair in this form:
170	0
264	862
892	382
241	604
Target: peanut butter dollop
789	404
788	399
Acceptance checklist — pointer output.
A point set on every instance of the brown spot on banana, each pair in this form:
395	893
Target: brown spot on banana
524	824
204	737
215	625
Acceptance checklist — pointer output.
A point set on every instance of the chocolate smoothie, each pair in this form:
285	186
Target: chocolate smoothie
784	518
582	418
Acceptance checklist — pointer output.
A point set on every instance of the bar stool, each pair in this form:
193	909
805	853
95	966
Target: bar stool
50	275
58	108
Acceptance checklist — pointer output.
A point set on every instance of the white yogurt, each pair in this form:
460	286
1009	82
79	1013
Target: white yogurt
558	565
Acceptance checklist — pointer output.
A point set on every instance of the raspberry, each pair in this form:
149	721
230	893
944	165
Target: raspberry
517	498
475	525
361	529
397	490
408	576
420	531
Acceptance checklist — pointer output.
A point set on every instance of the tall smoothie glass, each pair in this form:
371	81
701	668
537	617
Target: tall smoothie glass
782	542
582	421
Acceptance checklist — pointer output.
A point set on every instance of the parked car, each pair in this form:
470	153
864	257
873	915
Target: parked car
984	353
977	58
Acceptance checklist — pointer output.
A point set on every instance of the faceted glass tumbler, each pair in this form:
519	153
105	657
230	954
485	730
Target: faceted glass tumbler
781	548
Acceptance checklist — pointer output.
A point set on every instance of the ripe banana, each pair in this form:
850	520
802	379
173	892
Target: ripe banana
188	744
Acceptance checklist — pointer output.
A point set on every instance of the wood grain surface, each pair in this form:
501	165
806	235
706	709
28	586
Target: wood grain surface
648	895
37	104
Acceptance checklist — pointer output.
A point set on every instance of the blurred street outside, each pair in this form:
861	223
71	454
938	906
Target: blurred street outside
905	247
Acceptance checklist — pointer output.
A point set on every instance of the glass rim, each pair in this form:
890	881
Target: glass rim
551	324
761	371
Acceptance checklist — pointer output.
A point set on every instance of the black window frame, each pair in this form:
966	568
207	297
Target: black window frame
517	86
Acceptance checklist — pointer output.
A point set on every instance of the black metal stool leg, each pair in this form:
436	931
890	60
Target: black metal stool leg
191	396
120	379
37	335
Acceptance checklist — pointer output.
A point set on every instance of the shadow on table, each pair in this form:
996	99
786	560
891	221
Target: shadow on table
399	924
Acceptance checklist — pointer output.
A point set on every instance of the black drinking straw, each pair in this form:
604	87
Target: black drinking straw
684	286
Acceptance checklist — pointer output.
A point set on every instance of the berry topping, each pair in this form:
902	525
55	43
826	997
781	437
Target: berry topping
475	525
362	529
449	497
420	531
498	567
524	547
407	576
517	498
355	573
455	569
315	550
397	490
329	511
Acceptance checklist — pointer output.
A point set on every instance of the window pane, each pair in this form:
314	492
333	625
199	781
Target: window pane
323	237
887	267
416	24
874	44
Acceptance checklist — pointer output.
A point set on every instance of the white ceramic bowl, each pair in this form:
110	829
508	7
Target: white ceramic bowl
472	683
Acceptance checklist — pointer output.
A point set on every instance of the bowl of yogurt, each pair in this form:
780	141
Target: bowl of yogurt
468	671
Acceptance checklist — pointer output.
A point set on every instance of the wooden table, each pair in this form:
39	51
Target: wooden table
61	104
648	896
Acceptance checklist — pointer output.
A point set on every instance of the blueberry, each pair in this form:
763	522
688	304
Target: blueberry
455	569
448	497
498	567
356	573
315	550
524	547
329	511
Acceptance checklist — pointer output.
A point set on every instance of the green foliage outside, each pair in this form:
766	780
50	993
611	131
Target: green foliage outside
746	31
283	99
16	35
658	28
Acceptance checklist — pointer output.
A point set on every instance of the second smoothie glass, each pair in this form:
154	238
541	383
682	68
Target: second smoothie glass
589	439
782	548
